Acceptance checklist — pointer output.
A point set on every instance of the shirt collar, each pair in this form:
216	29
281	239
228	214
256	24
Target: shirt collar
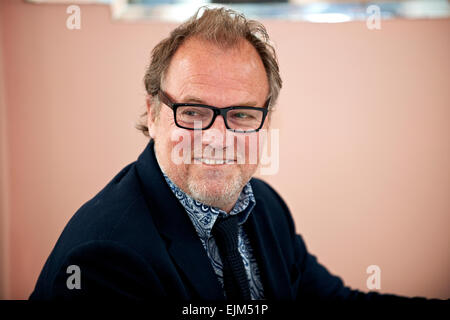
204	216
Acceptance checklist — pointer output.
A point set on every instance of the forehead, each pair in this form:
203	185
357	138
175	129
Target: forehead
215	74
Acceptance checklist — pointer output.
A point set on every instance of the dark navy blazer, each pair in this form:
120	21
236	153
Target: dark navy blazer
134	240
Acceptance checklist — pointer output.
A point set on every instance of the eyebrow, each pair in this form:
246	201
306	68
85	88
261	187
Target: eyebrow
194	99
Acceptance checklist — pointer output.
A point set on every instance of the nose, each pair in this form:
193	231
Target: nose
219	123
215	136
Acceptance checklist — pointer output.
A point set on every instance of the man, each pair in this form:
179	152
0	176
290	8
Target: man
195	226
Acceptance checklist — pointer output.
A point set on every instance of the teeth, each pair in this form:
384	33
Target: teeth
213	161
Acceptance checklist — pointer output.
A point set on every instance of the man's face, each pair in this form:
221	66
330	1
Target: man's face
203	73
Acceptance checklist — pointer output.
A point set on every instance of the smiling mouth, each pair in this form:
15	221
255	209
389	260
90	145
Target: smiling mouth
214	161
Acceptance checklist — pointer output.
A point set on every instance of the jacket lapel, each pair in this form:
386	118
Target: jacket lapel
197	268
173	223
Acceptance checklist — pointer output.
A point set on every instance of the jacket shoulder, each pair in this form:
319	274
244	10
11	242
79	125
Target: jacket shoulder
118	216
268	196
261	186
98	217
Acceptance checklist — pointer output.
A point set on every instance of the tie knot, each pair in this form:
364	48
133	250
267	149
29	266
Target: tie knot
225	232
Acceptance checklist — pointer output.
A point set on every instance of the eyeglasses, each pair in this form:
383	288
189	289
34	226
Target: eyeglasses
194	116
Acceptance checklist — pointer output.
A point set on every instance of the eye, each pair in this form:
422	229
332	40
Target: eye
242	115
190	113
193	112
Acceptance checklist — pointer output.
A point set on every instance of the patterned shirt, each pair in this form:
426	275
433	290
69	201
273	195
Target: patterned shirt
203	218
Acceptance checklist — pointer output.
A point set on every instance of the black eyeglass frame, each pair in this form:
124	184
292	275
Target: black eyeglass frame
217	111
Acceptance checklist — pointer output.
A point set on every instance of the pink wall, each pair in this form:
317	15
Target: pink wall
363	118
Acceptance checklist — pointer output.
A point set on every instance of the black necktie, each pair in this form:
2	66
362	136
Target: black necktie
225	232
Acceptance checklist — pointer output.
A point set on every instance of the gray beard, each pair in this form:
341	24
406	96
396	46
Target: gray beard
228	195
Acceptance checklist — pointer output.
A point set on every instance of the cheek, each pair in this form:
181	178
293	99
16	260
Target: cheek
179	148
166	131
168	138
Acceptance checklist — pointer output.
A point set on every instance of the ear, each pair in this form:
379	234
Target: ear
150	116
